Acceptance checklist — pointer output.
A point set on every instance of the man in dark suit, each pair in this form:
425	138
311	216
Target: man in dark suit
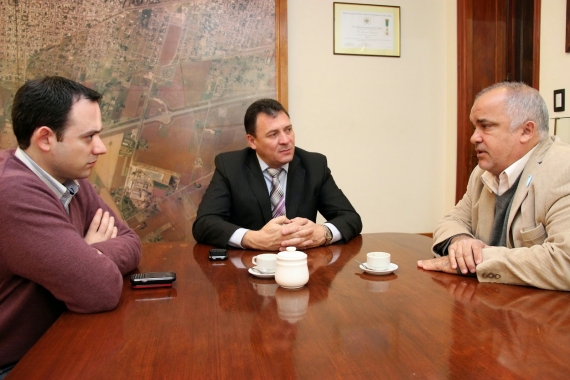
267	196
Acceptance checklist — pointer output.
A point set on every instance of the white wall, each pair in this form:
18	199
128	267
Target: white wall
395	117
387	125
554	61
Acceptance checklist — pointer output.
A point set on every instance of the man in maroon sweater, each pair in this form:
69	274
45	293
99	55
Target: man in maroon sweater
61	246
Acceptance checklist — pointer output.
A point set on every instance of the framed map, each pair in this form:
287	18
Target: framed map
176	78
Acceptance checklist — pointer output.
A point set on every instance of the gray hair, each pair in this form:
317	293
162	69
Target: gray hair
523	103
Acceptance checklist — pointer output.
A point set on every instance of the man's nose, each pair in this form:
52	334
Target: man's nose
284	138
475	137
99	147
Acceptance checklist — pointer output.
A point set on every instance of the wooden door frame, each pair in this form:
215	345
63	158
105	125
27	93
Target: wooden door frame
281	52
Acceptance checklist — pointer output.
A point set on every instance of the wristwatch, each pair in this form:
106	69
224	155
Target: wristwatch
328	235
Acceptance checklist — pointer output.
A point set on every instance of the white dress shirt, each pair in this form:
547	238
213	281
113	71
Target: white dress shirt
507	177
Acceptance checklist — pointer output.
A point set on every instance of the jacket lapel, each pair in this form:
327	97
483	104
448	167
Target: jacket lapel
254	178
295	184
526	181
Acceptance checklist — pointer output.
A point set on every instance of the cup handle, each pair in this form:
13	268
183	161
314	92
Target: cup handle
253	260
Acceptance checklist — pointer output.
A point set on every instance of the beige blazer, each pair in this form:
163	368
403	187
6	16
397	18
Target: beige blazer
538	240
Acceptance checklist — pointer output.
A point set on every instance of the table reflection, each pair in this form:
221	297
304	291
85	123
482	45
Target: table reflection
274	312
292	304
509	321
377	283
272	339
218	321
323	263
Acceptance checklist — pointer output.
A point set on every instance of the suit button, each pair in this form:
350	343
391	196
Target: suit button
497	276
484	275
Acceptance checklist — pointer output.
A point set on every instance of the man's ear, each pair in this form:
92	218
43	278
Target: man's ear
529	131
251	141
43	138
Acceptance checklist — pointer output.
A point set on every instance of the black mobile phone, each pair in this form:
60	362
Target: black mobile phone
152	279
218	254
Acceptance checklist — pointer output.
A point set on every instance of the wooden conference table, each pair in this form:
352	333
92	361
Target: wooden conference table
220	322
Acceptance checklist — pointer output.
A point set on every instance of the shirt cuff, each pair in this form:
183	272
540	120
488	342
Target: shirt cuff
235	239
335	232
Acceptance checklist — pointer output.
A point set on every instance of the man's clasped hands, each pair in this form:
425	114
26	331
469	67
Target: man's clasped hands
282	232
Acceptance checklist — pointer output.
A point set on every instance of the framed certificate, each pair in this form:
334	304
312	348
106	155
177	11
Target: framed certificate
361	29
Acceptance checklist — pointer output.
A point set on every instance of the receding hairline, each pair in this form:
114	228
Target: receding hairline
520	103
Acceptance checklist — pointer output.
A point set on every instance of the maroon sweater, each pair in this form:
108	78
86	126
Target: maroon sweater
45	265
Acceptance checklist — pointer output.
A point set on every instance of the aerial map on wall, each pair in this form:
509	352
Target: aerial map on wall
176	79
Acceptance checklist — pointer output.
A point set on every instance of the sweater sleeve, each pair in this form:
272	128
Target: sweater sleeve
125	249
44	244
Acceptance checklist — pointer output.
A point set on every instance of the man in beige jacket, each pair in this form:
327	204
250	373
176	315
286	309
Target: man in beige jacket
513	224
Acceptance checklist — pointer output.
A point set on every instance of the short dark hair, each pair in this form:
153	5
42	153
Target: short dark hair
46	102
270	107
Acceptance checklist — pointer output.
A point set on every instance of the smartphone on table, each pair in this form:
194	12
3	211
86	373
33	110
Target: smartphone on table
152	280
218	254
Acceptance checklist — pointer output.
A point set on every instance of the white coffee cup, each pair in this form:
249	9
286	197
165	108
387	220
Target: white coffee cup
265	262
378	260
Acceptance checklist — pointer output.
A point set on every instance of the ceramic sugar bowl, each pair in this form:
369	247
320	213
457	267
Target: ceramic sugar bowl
291	271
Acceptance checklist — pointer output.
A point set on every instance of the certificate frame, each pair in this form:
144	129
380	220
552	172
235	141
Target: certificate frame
366	29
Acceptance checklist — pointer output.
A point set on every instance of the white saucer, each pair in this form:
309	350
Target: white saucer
259	274
390	269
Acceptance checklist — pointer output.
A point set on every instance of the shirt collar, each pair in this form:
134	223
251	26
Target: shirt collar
58	188
264	166
507	177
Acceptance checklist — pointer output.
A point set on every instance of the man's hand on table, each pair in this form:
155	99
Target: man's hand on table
464	253
440	264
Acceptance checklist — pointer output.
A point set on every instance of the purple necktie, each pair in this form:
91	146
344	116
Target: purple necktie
276	195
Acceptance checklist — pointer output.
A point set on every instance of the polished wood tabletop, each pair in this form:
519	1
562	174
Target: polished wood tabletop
220	322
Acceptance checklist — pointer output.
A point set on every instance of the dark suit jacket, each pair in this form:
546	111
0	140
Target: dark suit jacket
237	197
